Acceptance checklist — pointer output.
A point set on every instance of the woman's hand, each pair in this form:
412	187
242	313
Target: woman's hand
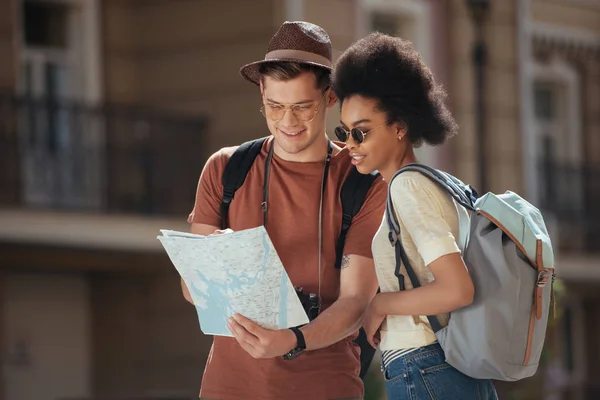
372	321
221	232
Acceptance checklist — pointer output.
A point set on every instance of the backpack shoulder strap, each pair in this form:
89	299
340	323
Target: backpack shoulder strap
354	191
465	195
235	173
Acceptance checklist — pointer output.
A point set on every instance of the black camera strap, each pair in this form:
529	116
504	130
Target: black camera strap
264	205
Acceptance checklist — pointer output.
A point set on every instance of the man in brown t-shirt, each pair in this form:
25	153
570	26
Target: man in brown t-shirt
306	174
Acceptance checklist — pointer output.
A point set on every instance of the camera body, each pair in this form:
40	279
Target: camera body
310	302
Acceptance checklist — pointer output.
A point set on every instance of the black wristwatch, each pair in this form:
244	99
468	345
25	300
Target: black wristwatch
300	345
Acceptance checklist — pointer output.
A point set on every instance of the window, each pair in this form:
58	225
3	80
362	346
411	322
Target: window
45	24
556	150
548	121
545	107
58	156
548	129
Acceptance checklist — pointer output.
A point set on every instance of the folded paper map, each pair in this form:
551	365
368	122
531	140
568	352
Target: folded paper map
234	272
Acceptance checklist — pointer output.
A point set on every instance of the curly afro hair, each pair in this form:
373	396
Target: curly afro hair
389	70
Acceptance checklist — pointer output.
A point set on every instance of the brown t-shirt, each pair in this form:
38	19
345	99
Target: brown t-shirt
292	224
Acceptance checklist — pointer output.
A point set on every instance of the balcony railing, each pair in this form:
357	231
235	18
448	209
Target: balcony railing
570	195
72	156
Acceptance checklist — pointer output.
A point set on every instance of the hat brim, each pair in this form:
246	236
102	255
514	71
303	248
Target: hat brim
251	74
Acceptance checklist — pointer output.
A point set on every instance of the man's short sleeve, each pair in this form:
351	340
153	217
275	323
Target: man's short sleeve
366	223
210	190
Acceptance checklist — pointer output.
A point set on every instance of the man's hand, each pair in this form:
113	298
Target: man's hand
260	342
372	321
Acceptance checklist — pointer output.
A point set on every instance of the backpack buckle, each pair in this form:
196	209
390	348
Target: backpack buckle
346	221
393	238
543	278
228	194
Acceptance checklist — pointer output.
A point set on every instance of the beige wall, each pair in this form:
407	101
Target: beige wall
581	15
46	352
185	56
501	97
120	64
338	18
147	340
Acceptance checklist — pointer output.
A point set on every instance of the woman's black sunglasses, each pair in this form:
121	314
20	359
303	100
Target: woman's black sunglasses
357	135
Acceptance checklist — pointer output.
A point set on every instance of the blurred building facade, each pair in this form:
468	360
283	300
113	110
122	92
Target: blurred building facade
109	108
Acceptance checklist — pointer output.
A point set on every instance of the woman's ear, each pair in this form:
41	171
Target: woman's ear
400	129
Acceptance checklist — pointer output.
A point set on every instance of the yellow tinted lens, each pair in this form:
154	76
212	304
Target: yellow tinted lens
303	113
275	112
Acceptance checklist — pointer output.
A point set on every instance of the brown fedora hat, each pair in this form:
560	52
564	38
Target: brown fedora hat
296	41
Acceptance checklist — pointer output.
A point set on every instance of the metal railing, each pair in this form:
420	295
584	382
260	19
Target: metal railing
72	156
570	195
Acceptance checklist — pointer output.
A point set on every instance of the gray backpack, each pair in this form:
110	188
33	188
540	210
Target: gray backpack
507	250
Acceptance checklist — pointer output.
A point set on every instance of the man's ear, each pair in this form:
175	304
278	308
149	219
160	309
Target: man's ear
331	98
262	88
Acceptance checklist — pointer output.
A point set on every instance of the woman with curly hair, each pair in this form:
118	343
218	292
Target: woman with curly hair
391	104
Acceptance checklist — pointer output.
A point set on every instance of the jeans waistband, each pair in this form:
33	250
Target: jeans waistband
388	356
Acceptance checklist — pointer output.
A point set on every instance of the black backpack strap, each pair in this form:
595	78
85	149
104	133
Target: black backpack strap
353	195
235	173
367	352
354	191
401	258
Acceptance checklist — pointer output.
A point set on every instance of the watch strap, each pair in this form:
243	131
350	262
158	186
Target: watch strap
300	345
300	342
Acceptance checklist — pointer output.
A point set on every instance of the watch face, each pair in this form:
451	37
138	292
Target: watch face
293	354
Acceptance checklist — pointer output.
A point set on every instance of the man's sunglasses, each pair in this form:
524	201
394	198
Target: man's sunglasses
357	135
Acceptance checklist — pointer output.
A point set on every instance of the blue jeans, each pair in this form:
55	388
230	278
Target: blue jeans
424	374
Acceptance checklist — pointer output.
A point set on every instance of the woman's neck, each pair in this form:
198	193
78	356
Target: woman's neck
397	163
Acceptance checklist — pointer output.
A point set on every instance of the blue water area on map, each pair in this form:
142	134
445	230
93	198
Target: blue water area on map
213	317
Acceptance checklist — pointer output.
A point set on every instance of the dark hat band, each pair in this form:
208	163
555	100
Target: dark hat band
299	55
